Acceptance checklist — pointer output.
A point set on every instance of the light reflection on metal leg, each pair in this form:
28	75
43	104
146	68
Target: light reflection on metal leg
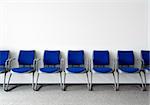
145	79
117	80
115	85
88	83
64	82
4	85
141	80
33	80
91	84
9	80
61	84
35	88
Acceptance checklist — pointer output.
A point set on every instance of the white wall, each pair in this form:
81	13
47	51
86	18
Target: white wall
148	13
74	24
148	28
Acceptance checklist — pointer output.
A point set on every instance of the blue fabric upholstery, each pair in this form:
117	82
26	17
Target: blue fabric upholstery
76	69
76	57
50	69
51	57
146	57
26	57
2	69
4	55
125	58
101	57
22	69
129	69
147	68
102	69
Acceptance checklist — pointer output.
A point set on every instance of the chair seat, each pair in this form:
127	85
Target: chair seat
76	69
2	69
129	69
147	68
50	69
22	69
102	69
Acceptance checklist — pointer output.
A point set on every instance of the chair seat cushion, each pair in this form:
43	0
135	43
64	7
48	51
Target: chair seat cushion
22	69
50	69
102	69
76	69
2	69
129	69
147	68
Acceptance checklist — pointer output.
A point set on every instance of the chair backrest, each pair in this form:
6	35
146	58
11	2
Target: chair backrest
51	57
145	54
26	57
76	57
125	58
4	55
101	57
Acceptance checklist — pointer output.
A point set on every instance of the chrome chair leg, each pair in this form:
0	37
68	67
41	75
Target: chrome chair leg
9	80
61	84
141	80
36	83
88	83
64	82
4	83
91	84
33	80
145	79
117	81
115	85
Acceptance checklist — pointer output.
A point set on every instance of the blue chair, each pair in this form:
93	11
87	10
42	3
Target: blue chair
126	64
4	64
27	64
101	64
145	55
53	63
76	65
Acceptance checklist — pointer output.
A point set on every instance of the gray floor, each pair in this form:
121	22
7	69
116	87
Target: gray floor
75	95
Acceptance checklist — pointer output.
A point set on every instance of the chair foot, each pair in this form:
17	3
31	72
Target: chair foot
143	89
36	89
90	89
64	88
117	88
114	87
6	90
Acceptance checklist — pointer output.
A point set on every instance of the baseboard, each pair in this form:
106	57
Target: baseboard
76	84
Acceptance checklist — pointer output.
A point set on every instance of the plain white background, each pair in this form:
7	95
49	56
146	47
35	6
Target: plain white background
74	24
